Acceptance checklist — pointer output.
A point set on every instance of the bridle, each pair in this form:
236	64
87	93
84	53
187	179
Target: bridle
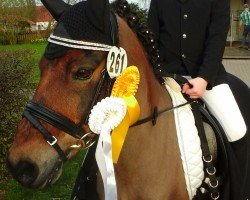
34	111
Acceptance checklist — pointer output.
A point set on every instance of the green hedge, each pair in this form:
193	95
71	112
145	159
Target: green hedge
12	37
15	89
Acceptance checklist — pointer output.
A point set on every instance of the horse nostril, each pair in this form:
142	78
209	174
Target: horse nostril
25	172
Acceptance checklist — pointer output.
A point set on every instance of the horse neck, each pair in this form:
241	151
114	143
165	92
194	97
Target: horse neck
149	87
150	153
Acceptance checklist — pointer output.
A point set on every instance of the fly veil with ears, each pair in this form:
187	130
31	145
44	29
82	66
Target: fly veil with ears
85	25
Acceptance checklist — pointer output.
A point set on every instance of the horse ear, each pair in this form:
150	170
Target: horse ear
98	12
56	7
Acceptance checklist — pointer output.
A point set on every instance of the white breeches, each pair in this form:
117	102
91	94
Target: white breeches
221	103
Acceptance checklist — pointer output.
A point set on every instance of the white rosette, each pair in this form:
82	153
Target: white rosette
104	117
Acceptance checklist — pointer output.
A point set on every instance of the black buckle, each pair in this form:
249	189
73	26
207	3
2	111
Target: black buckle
155	115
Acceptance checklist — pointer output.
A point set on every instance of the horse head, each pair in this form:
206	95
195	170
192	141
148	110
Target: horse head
72	80
67	86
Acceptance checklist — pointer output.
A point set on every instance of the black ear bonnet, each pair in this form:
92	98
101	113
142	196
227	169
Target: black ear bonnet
80	22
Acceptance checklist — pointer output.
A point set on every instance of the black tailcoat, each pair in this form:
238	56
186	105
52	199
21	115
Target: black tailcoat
191	36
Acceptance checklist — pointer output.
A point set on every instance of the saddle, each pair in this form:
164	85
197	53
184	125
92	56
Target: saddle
197	143
229	172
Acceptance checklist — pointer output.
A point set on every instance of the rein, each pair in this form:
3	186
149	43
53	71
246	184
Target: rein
35	111
157	113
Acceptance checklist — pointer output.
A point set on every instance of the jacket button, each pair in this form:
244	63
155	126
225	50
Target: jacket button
185	16
184	35
183	55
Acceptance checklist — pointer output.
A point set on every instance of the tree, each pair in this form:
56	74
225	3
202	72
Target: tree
14	14
17	9
67	1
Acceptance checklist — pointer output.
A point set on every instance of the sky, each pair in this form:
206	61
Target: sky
141	3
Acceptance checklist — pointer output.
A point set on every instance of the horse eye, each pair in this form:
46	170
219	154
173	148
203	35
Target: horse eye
83	74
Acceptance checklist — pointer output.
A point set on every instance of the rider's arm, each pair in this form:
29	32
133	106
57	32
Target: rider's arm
215	41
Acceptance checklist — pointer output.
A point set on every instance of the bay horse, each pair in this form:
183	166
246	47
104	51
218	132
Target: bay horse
149	166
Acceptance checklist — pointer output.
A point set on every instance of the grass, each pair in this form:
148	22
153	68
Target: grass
61	190
38	49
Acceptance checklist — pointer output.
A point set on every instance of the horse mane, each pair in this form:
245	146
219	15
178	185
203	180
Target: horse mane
141	29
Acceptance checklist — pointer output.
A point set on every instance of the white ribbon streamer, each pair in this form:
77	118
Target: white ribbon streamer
104	117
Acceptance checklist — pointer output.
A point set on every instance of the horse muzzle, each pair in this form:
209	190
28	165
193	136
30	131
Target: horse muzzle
28	174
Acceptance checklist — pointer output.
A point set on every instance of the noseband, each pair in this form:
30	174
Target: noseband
35	111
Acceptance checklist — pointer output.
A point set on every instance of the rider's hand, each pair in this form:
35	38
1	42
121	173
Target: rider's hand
199	86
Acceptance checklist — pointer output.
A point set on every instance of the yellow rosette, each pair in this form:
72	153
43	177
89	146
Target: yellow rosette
125	87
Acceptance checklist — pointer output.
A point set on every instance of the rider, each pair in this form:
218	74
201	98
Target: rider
191	37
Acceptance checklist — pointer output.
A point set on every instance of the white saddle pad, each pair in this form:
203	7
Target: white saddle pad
188	139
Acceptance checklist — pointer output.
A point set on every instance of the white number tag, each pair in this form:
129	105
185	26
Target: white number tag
117	61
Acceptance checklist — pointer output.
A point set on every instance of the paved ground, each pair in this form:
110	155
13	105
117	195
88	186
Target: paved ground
236	53
239	68
237	62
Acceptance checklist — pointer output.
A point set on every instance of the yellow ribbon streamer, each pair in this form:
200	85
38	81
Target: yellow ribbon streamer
119	133
125	86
